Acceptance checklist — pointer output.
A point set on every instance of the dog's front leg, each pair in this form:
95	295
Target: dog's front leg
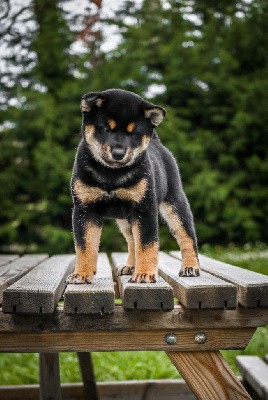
87	232
144	223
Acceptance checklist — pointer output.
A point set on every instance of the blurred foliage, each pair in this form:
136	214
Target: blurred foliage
204	61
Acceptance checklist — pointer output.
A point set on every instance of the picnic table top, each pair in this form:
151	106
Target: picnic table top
225	305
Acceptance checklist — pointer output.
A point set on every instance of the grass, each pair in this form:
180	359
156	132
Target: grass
23	368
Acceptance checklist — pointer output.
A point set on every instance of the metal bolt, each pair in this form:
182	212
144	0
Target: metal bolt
170	338
200	337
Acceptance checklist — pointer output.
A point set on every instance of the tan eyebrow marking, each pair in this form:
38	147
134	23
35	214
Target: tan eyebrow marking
131	127
112	123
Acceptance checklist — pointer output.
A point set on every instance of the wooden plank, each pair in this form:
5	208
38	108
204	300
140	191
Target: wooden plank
142	296
123	341
255	373
88	376
208	375
164	389
252	286
39	291
180	318
94	298
7	258
11	272
49	371
205	291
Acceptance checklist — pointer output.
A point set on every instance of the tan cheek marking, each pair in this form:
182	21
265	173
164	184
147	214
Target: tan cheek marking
89	132
145	142
112	124
131	127
88	194
125	228
86	258
147	256
134	193
185	242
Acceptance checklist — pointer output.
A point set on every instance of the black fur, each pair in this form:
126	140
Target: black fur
153	163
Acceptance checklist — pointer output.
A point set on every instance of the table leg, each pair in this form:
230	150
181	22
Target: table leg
88	376
49	371
208	375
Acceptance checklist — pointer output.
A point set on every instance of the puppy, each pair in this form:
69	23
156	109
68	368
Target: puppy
123	171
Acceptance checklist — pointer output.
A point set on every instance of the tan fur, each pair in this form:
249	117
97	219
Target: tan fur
146	257
112	124
86	259
89	132
131	126
88	194
134	193
184	241
125	228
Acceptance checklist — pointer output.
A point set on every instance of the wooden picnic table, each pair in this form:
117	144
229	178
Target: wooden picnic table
191	319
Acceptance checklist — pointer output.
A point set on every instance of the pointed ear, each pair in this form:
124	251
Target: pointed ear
155	113
90	100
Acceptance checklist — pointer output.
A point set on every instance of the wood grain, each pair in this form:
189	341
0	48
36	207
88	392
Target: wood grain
49	371
94	298
39	291
255	373
121	341
122	320
208	375
252	287
142	296
12	271
205	291
7	258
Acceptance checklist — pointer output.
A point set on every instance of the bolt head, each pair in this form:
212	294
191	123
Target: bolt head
170	338
200	337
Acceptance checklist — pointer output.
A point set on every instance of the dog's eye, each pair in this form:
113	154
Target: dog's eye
107	129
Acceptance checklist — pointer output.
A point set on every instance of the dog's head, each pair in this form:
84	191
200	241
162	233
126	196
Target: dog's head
118	126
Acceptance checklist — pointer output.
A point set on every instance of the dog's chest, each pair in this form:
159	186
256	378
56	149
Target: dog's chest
91	194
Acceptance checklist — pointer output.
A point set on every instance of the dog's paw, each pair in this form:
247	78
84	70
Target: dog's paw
143	278
125	270
77	278
190	271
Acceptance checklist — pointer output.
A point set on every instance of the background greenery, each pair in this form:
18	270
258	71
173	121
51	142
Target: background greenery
206	60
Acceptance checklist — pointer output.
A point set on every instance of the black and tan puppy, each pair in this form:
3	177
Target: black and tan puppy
123	171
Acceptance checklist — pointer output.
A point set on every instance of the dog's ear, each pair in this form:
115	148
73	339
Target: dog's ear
90	100
155	113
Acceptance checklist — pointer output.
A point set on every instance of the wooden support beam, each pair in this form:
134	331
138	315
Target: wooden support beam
88	376
49	371
208	375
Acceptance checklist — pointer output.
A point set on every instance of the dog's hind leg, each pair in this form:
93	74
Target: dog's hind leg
177	214
126	230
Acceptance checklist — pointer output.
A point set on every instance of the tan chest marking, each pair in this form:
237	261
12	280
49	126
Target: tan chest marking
88	194
134	193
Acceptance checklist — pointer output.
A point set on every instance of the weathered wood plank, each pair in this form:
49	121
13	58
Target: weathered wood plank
124	341
39	291
208	375
7	258
255	373
205	291
88	376
11	272
94	298
252	286
49	371
142	296
164	389
180	318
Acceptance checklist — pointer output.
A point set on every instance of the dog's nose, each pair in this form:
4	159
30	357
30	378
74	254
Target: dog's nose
118	153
